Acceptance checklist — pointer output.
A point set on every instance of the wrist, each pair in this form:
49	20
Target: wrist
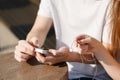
101	54
73	57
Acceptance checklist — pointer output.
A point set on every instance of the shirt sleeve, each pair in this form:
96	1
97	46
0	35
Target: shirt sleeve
44	9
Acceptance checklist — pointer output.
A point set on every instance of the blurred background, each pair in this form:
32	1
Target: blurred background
16	20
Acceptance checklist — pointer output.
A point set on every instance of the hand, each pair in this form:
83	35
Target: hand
55	56
89	44
25	49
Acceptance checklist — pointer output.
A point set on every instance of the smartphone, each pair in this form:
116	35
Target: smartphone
41	51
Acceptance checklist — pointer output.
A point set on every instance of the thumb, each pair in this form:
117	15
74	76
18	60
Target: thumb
34	42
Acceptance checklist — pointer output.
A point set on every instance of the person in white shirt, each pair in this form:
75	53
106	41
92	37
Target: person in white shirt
85	23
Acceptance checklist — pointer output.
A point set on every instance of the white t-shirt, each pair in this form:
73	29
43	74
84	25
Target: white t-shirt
74	17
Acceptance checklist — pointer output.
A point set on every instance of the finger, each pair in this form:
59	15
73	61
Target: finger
54	59
87	40
80	37
56	53
25	50
26	44
22	55
53	52
19	59
46	60
25	47
40	58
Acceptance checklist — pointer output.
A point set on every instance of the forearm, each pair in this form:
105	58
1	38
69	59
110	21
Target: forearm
82	58
39	34
40	29
111	66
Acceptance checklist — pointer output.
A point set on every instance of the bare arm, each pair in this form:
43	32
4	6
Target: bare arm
36	37
109	63
40	29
